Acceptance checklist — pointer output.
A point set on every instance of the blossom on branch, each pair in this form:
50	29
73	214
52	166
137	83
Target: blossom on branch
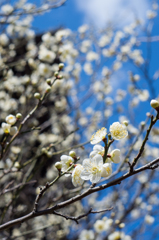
76	175
98	136
66	163
115	155
118	131
97	149
92	168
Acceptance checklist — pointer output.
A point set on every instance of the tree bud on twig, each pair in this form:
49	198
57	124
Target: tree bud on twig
61	65
155	104
58	165
48	89
56	74
72	154
18	115
48	81
37	95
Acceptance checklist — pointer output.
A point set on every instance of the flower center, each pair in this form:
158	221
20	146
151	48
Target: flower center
94	170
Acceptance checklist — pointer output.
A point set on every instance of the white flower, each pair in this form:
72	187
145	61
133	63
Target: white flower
149	219
106	170
151	14
115	155
7	8
97	149
66	161
11	119
46	55
92	168
4	40
99	136
6	127
13	130
86	235
82	29
76	175
154	103
99	226
118	131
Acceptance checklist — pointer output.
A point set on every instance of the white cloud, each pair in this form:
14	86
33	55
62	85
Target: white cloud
119	12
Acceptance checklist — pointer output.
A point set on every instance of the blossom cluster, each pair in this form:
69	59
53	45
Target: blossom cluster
95	167
8	127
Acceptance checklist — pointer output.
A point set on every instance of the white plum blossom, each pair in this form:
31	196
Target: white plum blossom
13	130
87	235
99	226
4	40
11	119
66	163
7	9
115	155
118	131
46	55
106	170
76	175
92	168
149	219
98	136
97	149
6	127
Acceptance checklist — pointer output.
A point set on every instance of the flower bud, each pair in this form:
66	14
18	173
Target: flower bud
58	165
17	165
48	89
125	123
72	154
155	104
18	115
61	65
37	95
60	76
48	81
56	74
49	154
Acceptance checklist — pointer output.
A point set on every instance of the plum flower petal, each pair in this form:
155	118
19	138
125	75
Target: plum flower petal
92	168
98	136
97	149
106	170
115	155
66	161
118	131
76	175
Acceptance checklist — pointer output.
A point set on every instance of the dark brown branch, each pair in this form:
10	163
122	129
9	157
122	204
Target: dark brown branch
82	215
152	165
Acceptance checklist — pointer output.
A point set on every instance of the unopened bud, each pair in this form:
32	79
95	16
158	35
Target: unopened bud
60	76
72	154
61	65
142	124
155	104
48	81
18	115
125	123
37	95
44	150
58	165
16	165
49	154
48	89
56	74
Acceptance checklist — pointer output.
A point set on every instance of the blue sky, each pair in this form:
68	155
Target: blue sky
97	12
